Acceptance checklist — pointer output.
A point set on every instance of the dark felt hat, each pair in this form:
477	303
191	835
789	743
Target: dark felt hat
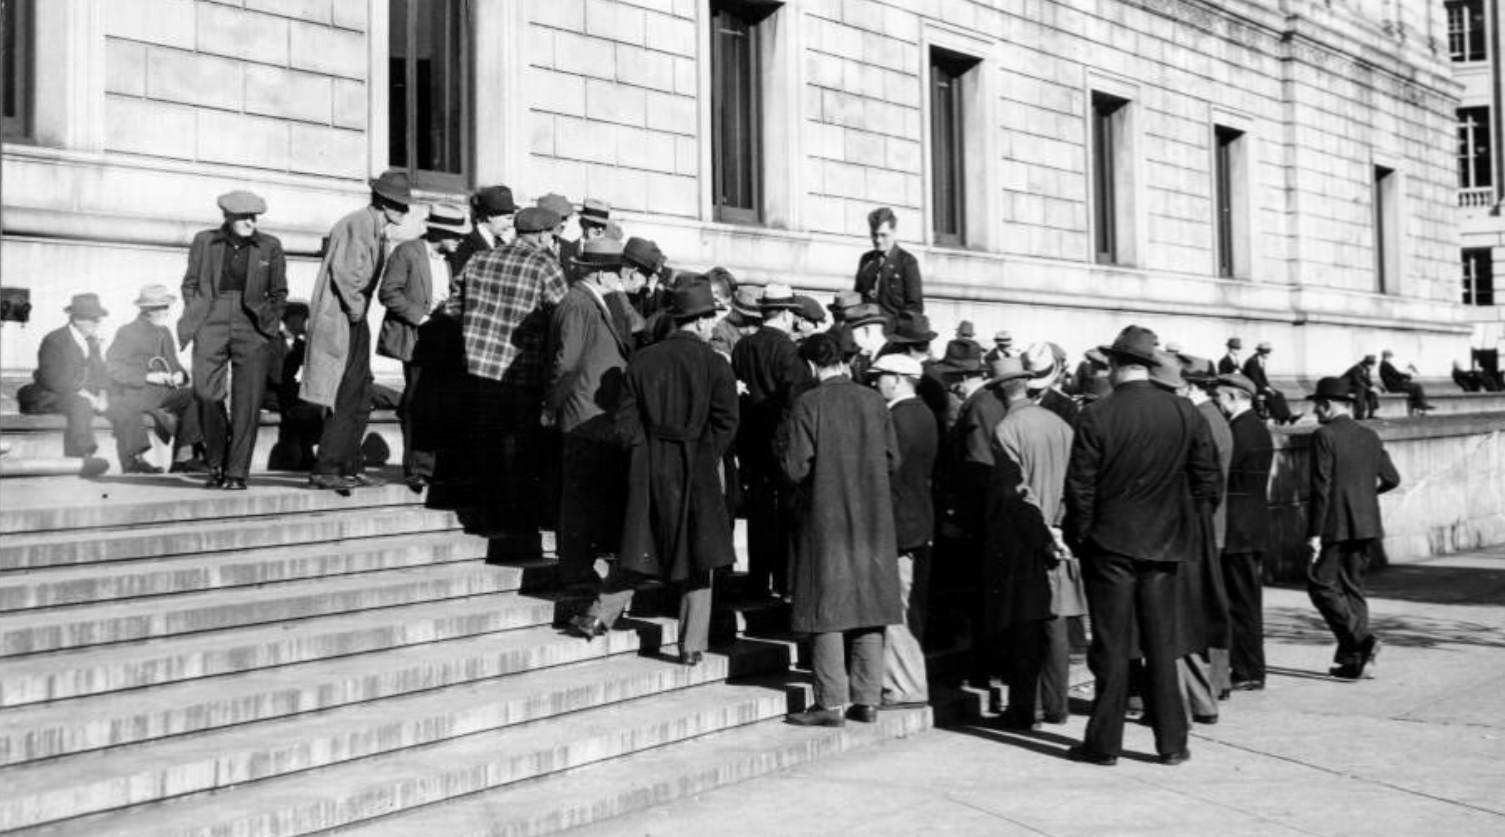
557	204
692	299
1235	343
86	307
492	201
962	356
910	328
1166	371
393	185
843	301
1135	345
295	307
1237	380
1197	370
241	202
643	254
966	330
1332	389
535	220
865	314
600	254
810	308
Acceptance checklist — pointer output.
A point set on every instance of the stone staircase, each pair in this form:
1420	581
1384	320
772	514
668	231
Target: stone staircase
283	661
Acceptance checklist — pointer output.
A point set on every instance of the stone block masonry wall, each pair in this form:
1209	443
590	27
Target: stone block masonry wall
265	84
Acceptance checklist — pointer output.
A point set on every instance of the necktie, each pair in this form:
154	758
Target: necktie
96	373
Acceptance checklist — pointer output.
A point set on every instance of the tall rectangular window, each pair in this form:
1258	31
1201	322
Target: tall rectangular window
1475	173
16	68
948	145
1478	276
1230	173
1112	199
736	110
1386	227
1466	31
429	91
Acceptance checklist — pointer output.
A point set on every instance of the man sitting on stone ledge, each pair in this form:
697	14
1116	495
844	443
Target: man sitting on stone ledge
149	381
1395	380
71	378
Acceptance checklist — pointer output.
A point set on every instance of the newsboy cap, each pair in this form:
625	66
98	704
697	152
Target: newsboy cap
535	220
557	204
241	202
897	364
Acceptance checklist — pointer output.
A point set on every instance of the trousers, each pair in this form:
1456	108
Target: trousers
128	412
768	539
78	436
1037	669
228	342
694	604
1335	583
1123	593
593	476
1244	581
847	667
417	454
340	443
904	679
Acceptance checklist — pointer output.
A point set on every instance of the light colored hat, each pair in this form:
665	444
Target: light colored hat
155	296
1264	346
595	211
447	217
897	364
1040	362
1004	336
1006	368
778	295
241	202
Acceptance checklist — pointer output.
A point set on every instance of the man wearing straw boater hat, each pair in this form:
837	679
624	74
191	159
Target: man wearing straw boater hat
413	289
71	378
233	295
148	379
1141	462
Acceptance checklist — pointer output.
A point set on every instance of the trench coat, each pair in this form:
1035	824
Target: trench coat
838	450
677	416
342	292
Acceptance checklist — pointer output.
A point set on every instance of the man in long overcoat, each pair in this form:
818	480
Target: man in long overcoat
149	381
337	371
839	453
1248	516
1141	461
677	416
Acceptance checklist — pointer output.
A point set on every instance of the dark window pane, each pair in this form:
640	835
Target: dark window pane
735	126
1223	176
1466	30
16	69
946	140
428	87
1104	177
1475	169
1478	276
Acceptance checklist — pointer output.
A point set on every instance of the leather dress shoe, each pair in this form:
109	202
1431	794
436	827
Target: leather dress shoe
235	484
816	716
691	658
1248	685
588	627
416	484
1348	671
189	466
1057	719
1205	719
1173	759
905	704
1088	757
863	712
137	465
216	478
364	481
330	482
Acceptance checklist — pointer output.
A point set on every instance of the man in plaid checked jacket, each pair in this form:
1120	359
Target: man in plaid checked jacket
503	300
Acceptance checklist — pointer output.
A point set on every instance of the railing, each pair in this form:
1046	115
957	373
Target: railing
1477	196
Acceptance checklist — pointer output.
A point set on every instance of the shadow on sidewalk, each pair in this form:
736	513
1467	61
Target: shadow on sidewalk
1305	627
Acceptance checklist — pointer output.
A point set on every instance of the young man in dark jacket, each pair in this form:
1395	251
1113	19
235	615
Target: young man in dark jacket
1248	516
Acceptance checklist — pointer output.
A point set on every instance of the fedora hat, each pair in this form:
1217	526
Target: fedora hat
745	301
961	357
1237	380
595	211
557	204
448	218
844	300
154	296
1264	347
966	331
1040	362
1197	370
393	186
86	307
1166	371
1096	387
1096	356
910	328
691	300
241	202
1135	345
643	254
1235	343
492	201
778	296
865	314
1332	389
600	254
535	220
1007	369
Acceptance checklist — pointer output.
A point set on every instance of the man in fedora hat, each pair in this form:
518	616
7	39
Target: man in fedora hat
1142	461
677	417
588	359
233	293
896	377
843	302
1046	364
71	378
648	294
889	275
415	331
771	371
1230	363
1033	583
148	380
1350	469
503	302
492	210
725	290
1246	536
1274	400
337	373
1003	346
1395	380
1360	380
910	334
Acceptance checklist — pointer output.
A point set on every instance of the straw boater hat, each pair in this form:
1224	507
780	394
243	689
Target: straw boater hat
595	211
448	218
778	296
1007	369
897	364
154	296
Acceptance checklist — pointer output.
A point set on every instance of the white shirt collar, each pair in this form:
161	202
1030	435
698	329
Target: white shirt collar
79	338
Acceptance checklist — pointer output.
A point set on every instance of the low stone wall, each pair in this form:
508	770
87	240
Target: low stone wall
1451	497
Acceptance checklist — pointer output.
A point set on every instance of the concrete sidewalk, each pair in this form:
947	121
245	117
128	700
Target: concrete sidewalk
1420	750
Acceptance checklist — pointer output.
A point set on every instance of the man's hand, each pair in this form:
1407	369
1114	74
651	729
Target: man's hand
1314	546
179	378
98	401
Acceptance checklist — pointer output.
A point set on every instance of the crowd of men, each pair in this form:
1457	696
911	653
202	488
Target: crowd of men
896	500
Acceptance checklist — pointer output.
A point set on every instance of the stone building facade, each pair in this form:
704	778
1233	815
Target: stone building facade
1474	42
1268	168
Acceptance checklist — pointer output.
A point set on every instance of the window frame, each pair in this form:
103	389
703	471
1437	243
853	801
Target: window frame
1470	133
1111	178
421	178
948	145
1387	221
21	126
1461	17
750	16
1472	277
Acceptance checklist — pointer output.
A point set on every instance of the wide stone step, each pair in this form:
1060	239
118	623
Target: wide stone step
110	668
57	728
384	784
140	773
598	792
68	504
71	585
178	538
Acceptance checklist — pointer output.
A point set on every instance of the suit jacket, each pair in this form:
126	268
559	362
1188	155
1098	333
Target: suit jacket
1141	462
1393	379
138	348
1360	380
1255	372
589	361
407	291
1248	501
894	284
1350	469
283	362
914	505
469	246
64	369
266	282
969	461
348	274
769	364
1227	365
1222	442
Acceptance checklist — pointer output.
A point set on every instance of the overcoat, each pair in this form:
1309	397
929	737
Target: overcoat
1350	469
1248	485
139	348
266	282
768	363
914	504
839	451
347	277
677	416
1203	599
407	292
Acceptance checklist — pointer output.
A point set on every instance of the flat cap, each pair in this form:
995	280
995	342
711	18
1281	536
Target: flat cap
557	204
241	202
535	220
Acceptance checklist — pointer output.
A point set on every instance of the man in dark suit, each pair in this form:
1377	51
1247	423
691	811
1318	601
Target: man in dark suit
493	211
1350	469
1360	381
1142	462
1248	516
300	423
233	293
149	381
888	275
1230	364
71	378
1274	400
1398	381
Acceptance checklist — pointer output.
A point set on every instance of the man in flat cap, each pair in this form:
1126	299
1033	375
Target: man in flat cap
492	210
724	289
337	373
1141	462
149	381
71	378
415	331
588	357
233	293
1247	533
504	300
